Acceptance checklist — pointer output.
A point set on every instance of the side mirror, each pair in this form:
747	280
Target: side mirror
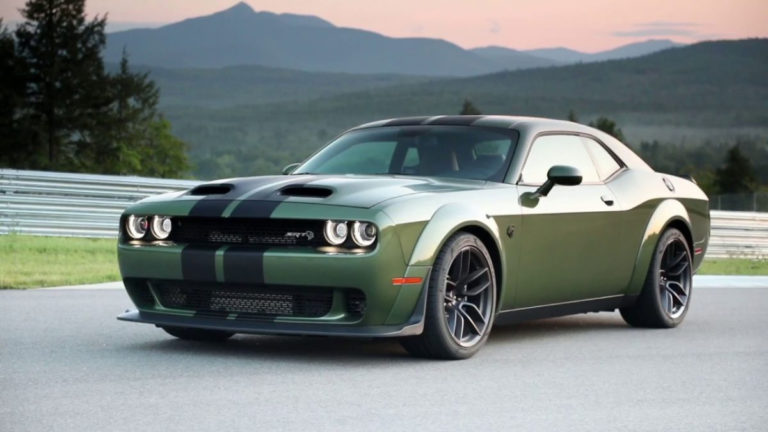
563	175
290	168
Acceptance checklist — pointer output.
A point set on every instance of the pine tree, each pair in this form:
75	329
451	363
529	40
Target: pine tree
737	174
12	91
65	76
608	126
469	108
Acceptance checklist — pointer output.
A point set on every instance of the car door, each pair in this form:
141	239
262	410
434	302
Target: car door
569	238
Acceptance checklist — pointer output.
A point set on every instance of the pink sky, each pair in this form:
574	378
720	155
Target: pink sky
587	25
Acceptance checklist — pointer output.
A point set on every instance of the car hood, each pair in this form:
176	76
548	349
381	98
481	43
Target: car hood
339	190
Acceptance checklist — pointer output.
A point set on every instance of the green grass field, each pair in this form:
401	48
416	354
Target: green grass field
32	262
734	266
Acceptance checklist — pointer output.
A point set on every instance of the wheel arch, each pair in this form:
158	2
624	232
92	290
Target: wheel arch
669	213
451	219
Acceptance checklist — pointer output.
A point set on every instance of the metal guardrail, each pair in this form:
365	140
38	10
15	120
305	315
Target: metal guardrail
86	205
72	205
738	234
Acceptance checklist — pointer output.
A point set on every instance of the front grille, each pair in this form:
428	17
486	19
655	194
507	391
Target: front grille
247	301
264	232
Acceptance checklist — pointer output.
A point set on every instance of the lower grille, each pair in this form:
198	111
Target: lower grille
222	299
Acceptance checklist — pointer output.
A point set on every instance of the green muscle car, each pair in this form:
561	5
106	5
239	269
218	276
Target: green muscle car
428	229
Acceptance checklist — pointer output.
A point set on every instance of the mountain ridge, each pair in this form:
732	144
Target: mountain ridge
241	36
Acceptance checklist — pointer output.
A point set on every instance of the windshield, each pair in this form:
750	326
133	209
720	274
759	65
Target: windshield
437	151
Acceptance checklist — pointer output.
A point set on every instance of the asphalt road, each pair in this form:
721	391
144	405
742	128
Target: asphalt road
67	364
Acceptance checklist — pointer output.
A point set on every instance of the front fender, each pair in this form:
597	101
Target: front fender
666	212
447	220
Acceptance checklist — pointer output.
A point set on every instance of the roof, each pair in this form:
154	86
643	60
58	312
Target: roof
499	121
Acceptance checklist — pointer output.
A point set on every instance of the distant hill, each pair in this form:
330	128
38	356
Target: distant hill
241	36
511	59
250	85
566	55
704	86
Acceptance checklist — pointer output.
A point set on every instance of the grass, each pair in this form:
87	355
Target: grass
34	261
734	266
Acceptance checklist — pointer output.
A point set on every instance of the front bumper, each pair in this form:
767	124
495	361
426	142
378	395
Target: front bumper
413	326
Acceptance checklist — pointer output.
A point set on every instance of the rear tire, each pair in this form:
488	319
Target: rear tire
666	295
461	301
196	334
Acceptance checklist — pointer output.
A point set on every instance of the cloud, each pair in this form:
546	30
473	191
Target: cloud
662	28
495	27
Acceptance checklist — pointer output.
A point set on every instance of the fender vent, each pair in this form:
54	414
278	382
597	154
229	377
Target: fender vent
304	191
212	189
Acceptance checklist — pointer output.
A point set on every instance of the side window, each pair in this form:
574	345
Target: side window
605	163
552	150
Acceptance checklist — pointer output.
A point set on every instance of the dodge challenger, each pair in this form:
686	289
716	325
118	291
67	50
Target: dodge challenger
428	229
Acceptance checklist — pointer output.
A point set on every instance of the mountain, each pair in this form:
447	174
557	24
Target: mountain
707	90
510	59
240	35
566	55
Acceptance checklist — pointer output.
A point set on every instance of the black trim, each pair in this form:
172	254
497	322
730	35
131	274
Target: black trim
456	120
408	121
603	304
244	264
198	262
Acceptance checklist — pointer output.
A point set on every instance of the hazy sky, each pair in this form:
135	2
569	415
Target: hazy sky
587	25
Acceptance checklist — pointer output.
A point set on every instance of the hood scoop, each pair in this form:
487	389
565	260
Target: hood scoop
306	191
212	189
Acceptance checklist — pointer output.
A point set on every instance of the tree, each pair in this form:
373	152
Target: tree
64	76
608	126
736	175
12	91
72	114
572	116
469	108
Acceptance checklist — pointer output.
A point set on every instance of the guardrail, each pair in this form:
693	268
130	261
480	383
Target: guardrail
73	205
87	205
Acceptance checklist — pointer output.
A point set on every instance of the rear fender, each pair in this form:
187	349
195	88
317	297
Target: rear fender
666	212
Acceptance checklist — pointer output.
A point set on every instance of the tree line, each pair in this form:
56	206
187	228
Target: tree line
63	111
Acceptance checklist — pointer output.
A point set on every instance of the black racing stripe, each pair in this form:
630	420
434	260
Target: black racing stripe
198	263
407	121
209	207
254	209
243	264
214	205
459	120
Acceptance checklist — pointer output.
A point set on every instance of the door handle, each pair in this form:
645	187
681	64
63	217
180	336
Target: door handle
607	200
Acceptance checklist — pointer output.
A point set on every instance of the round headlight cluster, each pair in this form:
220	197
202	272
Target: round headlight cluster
363	233
161	227
137	226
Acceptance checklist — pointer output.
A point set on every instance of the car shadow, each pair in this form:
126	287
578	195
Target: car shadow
351	351
557	327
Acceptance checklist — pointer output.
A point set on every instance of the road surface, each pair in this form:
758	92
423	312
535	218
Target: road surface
67	364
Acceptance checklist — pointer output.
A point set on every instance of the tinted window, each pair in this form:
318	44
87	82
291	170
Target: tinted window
552	150
439	151
605	163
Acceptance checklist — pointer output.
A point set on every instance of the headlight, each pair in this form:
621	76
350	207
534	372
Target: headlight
136	226
363	233
161	227
335	232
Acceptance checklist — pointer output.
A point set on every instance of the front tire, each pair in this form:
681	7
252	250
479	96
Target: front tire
200	335
461	301
666	295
